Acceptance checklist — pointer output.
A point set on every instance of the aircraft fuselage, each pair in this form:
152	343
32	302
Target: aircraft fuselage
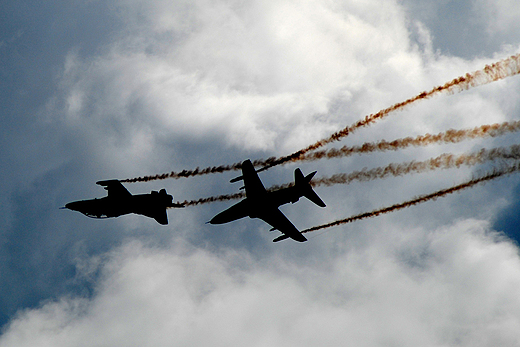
144	204
254	208
263	204
119	202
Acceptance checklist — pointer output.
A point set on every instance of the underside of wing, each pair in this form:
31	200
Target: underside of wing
278	220
115	189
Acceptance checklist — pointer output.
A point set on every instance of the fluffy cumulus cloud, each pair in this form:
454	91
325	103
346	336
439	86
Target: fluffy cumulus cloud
499	15
178	84
455	286
260	75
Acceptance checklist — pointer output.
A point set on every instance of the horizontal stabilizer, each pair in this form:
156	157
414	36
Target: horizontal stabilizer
312	196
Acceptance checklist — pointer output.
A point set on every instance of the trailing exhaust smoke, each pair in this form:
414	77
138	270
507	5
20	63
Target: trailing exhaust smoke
420	199
198	171
496	71
184	173
210	199
490	73
444	161
450	136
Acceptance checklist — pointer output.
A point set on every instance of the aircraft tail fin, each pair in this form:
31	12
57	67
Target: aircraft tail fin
303	182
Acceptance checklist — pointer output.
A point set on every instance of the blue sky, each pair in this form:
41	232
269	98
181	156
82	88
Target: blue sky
97	90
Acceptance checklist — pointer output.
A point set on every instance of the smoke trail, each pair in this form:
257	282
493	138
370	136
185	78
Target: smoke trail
499	70
210	199
423	198
185	173
450	136
444	161
198	171
496	71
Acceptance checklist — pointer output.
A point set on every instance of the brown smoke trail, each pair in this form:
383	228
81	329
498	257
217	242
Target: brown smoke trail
450	136
198	171
444	161
185	173
423	198
496	71
490	73
210	199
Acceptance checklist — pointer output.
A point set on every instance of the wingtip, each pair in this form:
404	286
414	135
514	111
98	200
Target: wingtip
107	182
236	179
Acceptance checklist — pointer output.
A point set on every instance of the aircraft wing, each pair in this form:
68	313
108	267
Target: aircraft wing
277	219
253	185
115	189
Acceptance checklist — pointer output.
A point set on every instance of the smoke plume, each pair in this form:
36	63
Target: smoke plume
210	199
423	198
496	71
490	73
443	161
450	136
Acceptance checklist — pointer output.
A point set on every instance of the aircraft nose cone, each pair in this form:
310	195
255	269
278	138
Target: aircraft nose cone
214	220
219	219
72	206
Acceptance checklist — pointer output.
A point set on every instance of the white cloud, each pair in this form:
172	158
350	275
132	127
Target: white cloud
500	16
455	285
274	76
251	72
265	75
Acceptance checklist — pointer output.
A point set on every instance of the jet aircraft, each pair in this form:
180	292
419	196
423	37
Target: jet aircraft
120	201
259	203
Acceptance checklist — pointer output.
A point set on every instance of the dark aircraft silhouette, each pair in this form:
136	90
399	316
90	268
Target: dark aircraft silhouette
259	203
120	201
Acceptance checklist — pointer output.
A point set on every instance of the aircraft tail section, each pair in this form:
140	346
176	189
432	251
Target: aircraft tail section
312	196
161	217
303	183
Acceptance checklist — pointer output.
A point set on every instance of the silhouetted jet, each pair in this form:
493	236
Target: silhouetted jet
259	203
119	202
